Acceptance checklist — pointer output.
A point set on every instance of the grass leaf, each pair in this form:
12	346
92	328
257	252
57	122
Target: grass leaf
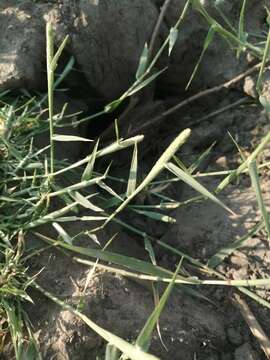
242	35
144	338
143	62
156	216
63	234
88	171
144	83
209	38
172	38
112	353
84	202
217	258
157	168
188	179
257	188
264	60
132	180
57	137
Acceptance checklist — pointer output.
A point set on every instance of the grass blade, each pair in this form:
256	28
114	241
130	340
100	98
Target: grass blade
157	168
58	53
156	216
265	57
63	234
217	258
234	174
257	188
88	171
172	38
84	202
188	179
242	35
57	137
50	84
132	180
143	62
112	353
115	258
145	82
144	338
209	38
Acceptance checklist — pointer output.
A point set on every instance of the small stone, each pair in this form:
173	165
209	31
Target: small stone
222	162
240	260
234	336
249	86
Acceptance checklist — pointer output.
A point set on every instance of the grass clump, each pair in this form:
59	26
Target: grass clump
32	194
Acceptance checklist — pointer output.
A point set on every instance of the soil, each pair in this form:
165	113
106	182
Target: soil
190	327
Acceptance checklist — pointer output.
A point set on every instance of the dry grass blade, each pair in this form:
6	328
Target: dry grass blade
57	137
253	324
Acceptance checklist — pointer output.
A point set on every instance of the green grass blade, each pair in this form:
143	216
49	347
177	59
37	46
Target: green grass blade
62	233
156	216
112	353
84	202
58	53
50	84
264	59
157	168
15	321
77	186
209	38
132	180
109	190
188	179
257	188
146	82
200	159
173	36
143	62
242	35
144	339
234	174
88	171
115	258
149	248
217	258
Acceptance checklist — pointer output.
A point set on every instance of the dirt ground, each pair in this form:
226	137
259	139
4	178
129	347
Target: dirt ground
191	328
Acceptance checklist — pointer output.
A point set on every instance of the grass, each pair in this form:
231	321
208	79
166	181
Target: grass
32	194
